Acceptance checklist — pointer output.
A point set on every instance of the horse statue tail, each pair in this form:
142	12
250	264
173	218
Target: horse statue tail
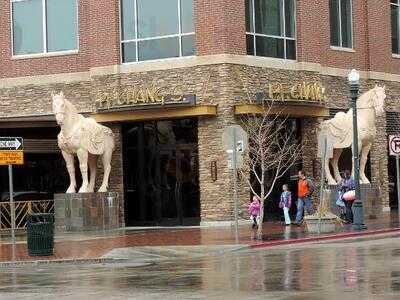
322	129
109	138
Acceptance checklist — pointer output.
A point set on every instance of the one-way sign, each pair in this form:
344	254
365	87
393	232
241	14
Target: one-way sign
11	143
11	151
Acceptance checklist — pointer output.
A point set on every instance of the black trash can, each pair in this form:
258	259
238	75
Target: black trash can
40	234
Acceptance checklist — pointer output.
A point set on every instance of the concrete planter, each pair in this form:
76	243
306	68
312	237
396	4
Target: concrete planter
320	225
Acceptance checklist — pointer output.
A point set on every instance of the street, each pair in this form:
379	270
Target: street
346	270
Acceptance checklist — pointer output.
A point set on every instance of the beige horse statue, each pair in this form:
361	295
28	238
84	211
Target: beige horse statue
339	131
85	138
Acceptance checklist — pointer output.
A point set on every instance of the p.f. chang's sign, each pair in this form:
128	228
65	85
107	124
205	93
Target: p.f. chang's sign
303	92
130	98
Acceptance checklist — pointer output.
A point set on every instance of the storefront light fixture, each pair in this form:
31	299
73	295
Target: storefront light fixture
354	77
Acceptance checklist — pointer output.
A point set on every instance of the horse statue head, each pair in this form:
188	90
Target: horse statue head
62	108
374	98
379	99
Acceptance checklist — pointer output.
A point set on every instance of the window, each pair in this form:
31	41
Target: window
44	26
395	13
341	23
156	29
271	28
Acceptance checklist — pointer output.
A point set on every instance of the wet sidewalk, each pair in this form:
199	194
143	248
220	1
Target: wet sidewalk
94	245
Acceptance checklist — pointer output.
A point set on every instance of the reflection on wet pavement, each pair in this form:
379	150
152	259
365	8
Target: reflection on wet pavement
369	270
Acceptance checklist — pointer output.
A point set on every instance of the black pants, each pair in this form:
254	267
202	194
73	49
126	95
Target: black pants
349	212
254	221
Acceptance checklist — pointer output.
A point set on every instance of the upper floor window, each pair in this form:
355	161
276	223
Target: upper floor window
155	29
43	26
395	12
341	23
271	28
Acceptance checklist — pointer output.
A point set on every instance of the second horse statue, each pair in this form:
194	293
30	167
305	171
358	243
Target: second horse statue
85	138
339	132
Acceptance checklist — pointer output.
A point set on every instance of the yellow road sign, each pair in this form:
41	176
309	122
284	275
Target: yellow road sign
11	157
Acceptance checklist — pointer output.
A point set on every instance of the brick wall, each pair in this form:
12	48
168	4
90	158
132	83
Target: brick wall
220	27
42	65
313	31
371	36
310	44
380	44
103	40
98	42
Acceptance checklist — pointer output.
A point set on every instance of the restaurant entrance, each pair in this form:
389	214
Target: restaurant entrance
161	173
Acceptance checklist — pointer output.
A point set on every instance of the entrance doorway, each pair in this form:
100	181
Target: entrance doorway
272	212
161	173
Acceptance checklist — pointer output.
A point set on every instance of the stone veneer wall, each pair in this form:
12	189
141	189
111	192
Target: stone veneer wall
212	85
222	85
116	183
253	79
32	99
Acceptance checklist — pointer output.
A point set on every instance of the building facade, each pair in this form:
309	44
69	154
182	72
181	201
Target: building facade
168	76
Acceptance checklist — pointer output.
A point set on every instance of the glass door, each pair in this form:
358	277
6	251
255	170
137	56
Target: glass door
161	173
187	190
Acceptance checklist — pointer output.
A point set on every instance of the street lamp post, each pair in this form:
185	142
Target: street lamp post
358	214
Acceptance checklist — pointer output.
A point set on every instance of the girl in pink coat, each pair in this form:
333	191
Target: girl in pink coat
254	211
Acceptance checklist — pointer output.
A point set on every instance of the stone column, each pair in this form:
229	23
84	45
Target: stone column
216	198
311	161
116	182
379	163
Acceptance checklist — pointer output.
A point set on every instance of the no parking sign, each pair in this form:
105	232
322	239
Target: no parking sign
394	149
394	144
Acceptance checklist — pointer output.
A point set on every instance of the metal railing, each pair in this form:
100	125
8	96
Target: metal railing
22	209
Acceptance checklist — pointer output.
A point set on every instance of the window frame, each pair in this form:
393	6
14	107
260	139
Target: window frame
398	28
44	28
283	37
340	46
136	40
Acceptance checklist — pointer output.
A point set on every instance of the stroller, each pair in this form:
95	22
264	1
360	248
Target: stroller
341	205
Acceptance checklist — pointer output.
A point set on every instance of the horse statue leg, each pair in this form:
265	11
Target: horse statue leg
93	169
106	158
328	174
335	163
69	161
363	160
83	165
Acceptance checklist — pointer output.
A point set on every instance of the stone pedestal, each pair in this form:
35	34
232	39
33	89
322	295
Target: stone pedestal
86	211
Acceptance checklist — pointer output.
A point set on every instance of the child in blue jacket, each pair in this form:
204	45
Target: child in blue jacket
286	202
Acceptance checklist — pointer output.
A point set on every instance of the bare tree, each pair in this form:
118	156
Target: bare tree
273	150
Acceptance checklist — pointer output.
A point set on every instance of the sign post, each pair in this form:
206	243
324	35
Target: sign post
12	209
394	150
398	182
11	153
235	141
235	197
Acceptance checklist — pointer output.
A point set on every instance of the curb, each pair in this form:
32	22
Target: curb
347	235
59	261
